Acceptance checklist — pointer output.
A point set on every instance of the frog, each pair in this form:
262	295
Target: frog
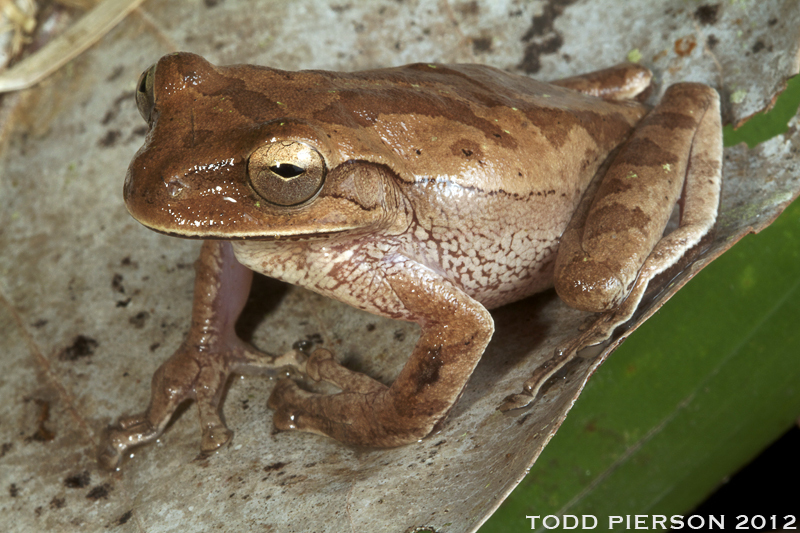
428	193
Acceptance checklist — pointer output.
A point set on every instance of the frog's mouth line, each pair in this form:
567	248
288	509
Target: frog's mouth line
270	238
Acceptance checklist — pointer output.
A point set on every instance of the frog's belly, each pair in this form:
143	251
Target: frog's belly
497	248
496	284
494	268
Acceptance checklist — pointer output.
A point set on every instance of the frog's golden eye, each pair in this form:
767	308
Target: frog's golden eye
144	93
286	172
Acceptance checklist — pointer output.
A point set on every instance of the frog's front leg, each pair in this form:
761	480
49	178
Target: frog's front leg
455	332
200	368
615	243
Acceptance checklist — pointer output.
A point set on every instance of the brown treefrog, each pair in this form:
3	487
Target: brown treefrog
427	193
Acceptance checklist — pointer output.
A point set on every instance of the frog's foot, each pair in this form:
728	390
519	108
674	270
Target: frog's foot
597	332
191	373
531	387
200	368
188	374
362	414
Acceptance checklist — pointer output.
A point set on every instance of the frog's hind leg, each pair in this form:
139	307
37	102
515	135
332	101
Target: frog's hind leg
615	244
674	157
199	369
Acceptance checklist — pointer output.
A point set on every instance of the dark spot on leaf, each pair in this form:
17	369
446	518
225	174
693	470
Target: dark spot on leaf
291	480
371	327
99	492
58	503
39	323
110	138
274	467
481	45
707	14
125	517
78	481
139	319
542	37
116	283
116	73
82	346
469	8
42	434
758	47
5	448
111	114
13	490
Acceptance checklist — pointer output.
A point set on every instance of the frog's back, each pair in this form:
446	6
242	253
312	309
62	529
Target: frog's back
473	124
477	125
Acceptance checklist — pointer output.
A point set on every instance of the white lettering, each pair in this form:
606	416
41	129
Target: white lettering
660	520
716	521
641	521
569	521
613	520
574	519
544	522
691	520
677	521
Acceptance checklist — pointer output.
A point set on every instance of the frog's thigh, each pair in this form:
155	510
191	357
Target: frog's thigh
455	332
676	149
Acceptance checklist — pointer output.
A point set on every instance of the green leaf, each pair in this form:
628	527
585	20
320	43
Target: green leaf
764	126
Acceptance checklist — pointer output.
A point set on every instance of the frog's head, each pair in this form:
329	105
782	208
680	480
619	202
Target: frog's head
236	152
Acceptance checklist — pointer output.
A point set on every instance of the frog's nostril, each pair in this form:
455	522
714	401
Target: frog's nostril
175	187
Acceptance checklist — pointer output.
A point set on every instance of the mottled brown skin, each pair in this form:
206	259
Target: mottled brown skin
426	193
